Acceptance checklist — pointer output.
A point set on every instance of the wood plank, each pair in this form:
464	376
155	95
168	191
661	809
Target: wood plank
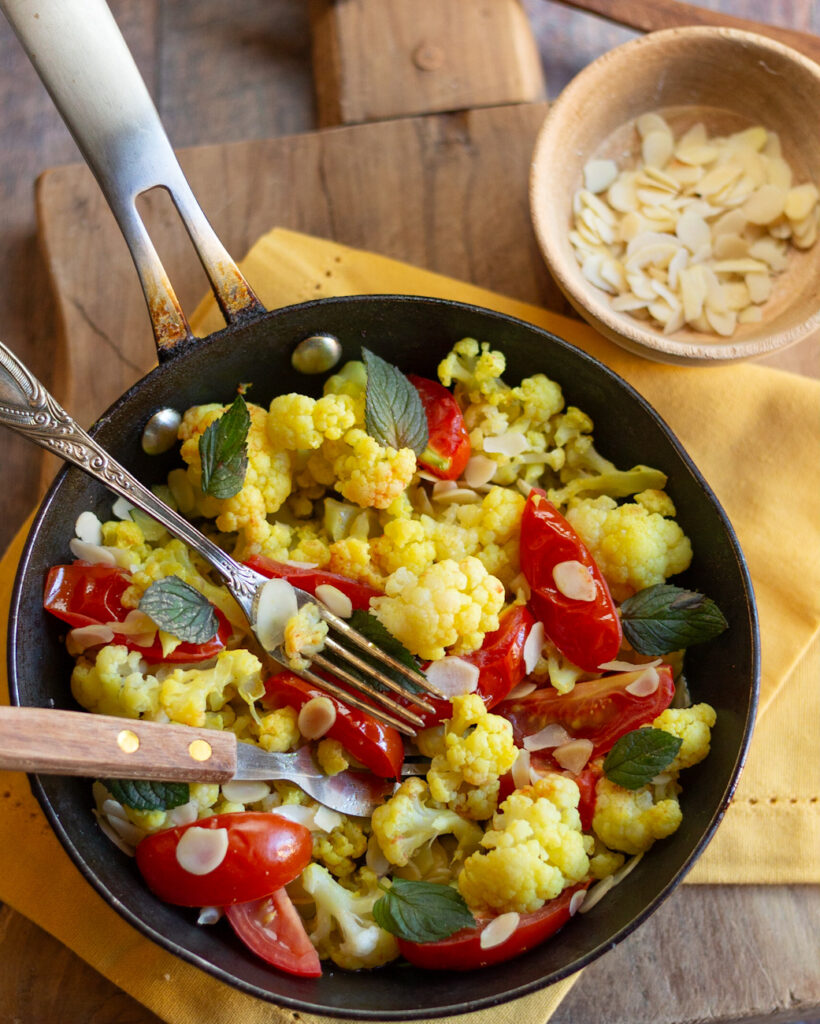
378	59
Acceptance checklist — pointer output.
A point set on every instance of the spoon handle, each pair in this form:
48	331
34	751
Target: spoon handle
28	408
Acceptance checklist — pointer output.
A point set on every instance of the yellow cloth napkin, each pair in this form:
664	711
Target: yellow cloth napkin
751	430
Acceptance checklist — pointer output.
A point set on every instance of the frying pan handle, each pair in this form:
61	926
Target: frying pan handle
83	61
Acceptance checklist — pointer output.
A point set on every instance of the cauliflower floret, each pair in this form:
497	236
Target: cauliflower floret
344	928
186	695
540	398
450	605
305	634
693	726
369	474
534	850
407	822
478	750
633	547
117	683
351	557
298	422
278	730
631	820
331	756
339	849
126	535
475	369
404	543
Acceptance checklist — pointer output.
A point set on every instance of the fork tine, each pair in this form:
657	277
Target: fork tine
349	698
372	673
364	687
376	652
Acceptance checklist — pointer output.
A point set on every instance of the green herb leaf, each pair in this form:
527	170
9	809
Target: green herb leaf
639	756
223	450
148	795
393	413
664	618
373	630
178	608
422	911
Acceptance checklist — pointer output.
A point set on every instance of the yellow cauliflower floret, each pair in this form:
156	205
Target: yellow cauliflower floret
404	543
475	370
450	605
127	536
634	548
278	731
409	822
691	725
630	820
351	557
369	474
534	850
305	634
297	422
540	397
478	750
655	500
339	849
116	683
331	757
186	695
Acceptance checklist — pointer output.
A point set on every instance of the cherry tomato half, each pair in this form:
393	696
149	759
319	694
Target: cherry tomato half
587	632
265	852
601	710
463	952
83	594
272	929
377	746
448	448
310	579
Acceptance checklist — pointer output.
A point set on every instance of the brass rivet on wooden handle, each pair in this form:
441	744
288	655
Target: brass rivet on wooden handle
128	741
200	750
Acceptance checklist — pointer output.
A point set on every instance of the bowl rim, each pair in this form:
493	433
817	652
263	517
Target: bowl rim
584	298
481	1002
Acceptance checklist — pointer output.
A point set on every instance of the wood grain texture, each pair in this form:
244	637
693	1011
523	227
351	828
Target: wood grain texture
378	59
226	72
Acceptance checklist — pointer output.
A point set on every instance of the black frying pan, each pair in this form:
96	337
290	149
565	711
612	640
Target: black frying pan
257	346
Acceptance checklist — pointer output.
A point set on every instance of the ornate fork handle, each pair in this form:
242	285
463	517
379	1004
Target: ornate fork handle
29	409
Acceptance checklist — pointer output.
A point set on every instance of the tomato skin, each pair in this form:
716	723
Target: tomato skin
377	746
83	594
600	710
587	632
309	579
463	952
448	448
280	940
265	852
500	661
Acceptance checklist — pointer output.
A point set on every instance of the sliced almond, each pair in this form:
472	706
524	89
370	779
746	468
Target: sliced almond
453	676
88	528
511	443
576	901
316	716
750	315
522	690
650	122
275	604
82	638
521	769
552	735
574	580
765	204
326	819
479	470
96	554
185	814
533	646
723	323
242	791
201	850
334	600
599	174
499	930
800	201
646	684
574	755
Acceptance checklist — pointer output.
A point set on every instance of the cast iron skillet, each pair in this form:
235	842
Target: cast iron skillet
257	347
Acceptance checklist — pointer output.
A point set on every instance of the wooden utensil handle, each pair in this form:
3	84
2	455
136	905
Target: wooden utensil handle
99	746
652	15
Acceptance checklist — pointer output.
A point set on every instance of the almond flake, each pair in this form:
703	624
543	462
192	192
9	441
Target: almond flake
521	769
533	646
479	470
452	676
552	735
316	717
245	791
326	819
573	755
646	684
522	690
275	604
499	930
574	580
576	901
512	443
93	553
83	637
88	528
599	174
201	850
334	600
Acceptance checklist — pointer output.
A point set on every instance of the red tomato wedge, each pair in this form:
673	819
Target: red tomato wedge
587	632
265	852
83	594
601	710
309	579
463	952
377	746
448	448
272	929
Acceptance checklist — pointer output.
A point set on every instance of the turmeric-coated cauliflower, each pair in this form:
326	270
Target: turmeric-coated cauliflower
339	848
475	370
296	422
305	634
634	548
693	727
477	749
450	605
116	682
188	695
409	821
629	819
534	850
369	474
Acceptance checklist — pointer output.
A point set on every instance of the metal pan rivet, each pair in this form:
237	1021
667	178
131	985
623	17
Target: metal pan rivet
128	741
160	433
200	750
316	354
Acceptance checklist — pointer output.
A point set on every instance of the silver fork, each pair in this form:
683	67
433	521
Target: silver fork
28	408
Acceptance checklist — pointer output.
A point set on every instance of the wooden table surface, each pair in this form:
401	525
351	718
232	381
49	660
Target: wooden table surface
740	953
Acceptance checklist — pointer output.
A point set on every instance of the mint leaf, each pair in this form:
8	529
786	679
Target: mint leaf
178	608
148	795
422	911
639	756
373	630
664	618
223	451
393	413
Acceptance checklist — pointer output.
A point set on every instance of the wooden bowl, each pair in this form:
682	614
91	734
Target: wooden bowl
729	80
